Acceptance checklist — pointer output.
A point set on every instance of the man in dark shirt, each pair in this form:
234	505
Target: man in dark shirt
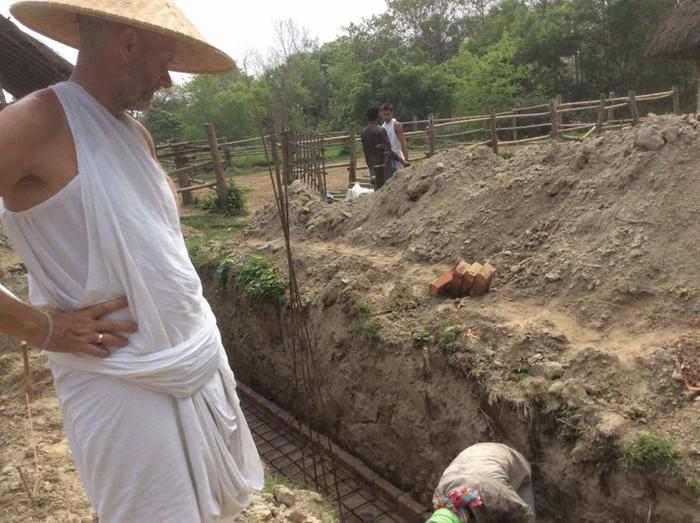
376	145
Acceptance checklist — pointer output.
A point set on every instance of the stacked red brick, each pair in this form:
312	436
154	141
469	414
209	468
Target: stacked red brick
465	280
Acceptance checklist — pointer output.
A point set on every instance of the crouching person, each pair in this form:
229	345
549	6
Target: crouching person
486	483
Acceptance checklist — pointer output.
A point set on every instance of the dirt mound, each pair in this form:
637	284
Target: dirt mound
607	225
580	349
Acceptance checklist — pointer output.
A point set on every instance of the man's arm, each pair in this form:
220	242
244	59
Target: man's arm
402	138
21	130
73	332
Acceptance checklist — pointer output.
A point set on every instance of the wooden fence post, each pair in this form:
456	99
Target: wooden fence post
352	170
634	109
221	188
494	131
554	118
228	162
601	115
697	81
431	133
515	125
183	179
415	122
676	101
611	112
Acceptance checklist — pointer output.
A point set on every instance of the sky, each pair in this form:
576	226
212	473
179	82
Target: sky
241	27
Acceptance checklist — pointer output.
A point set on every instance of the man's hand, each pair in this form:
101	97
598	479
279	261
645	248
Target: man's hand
83	331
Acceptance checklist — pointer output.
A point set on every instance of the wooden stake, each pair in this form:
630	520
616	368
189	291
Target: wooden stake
221	188
352	170
634	109
183	178
431	134
676	101
601	115
494	131
611	112
554	119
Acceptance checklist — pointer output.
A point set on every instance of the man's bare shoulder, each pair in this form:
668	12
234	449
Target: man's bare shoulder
35	116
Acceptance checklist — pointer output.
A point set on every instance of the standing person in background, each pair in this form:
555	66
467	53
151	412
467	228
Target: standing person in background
376	146
397	138
486	483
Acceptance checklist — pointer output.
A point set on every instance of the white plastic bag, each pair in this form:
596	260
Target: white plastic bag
356	190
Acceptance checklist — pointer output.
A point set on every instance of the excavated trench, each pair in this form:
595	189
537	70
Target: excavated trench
406	416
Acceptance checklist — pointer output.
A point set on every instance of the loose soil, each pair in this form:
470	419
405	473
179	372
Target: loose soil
580	348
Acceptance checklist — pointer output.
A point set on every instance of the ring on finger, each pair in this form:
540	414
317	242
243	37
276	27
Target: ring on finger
100	337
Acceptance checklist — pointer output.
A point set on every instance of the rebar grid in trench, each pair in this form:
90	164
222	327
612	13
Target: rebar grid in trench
359	493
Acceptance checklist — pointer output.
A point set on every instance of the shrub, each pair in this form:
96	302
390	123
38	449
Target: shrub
235	201
260	282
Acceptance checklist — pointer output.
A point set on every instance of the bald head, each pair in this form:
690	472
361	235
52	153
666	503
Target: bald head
129	62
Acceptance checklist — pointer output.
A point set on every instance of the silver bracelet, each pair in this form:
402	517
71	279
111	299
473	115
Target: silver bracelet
49	321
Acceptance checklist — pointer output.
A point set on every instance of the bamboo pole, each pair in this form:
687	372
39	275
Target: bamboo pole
601	115
634	109
221	188
494	131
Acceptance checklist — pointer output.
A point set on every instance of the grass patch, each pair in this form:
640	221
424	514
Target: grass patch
364	324
260	282
420	336
210	227
449	337
650	453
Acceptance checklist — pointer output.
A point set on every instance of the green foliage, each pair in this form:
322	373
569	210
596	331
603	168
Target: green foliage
650	453
260	282
449	57
198	254
210	228
226	266
364	324
421	336
235	201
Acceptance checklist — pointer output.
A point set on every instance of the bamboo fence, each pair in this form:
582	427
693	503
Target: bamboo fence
521	126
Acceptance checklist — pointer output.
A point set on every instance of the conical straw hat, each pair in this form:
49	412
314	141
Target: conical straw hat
58	19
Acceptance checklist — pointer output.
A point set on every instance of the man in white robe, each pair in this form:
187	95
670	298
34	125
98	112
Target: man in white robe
146	393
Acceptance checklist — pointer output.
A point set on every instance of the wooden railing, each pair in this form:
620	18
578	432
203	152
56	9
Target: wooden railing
554	120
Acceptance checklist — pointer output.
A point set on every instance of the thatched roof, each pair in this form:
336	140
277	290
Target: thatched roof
26	64
679	35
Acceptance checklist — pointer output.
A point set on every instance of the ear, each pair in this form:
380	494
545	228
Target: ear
129	44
